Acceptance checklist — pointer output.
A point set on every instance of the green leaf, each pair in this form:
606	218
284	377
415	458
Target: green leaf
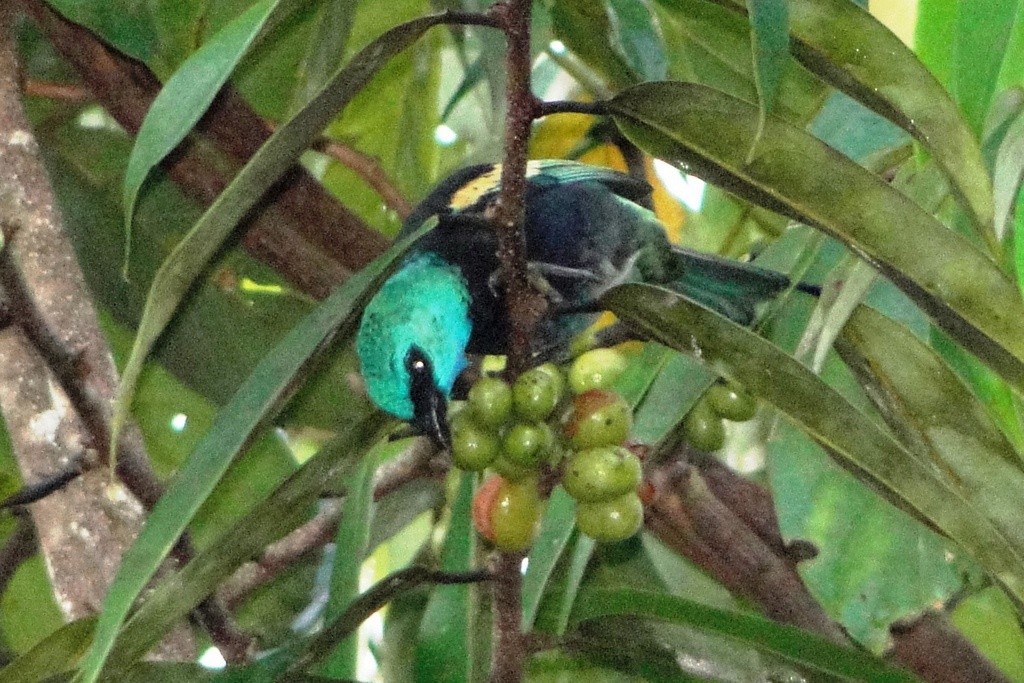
585	29
789	642
253	403
980	38
991	623
444	644
351	545
852	51
854	440
125	24
56	654
636	38
556	527
1007	176
191	256
864	579
326	48
933	36
185	98
271	518
769	38
563	586
935	414
797	175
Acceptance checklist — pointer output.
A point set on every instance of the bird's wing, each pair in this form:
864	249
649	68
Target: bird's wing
547	172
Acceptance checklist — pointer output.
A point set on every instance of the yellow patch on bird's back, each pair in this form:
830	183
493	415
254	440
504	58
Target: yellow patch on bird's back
470	193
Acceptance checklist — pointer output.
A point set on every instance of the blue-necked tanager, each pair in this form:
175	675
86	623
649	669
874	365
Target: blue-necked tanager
585	232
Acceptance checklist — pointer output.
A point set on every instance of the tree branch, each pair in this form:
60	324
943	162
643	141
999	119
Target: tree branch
525	306
302	232
415	463
726	525
56	373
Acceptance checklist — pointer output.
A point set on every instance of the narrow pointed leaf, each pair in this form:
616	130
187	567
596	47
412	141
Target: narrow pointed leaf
852	51
635	37
790	642
58	653
191	256
326	47
980	39
185	98
855	441
769	37
351	543
939	417
1007	176
798	176
270	383
556	528
444	645
269	519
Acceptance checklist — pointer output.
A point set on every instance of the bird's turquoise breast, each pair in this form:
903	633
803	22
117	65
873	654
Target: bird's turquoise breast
424	304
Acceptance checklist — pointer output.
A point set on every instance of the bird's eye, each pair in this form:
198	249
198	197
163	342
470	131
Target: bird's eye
415	362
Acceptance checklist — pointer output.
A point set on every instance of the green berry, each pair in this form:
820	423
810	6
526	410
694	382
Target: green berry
490	399
515	514
600	474
524	444
473	447
512	471
611	520
732	401
703	428
598	418
537	392
597	369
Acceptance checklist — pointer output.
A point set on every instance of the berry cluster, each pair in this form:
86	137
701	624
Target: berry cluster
519	430
724	400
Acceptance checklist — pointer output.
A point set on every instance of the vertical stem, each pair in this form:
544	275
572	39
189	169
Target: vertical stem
508	656
525	306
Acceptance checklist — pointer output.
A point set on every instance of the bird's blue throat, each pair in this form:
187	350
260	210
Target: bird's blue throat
417	323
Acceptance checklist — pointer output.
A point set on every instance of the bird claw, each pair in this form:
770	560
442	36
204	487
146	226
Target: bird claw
538	274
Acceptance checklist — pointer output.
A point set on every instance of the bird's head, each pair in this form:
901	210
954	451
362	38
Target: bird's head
412	343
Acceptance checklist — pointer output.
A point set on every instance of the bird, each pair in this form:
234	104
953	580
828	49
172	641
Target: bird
586	230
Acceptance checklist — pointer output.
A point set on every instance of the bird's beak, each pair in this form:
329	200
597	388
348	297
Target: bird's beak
430	413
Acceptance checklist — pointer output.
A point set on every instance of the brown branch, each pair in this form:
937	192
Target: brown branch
305	234
51	367
369	169
726	525
524	305
20	545
66	92
416	462
932	648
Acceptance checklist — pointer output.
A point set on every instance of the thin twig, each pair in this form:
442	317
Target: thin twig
377	596
20	545
370	170
415	463
65	92
31	493
570	107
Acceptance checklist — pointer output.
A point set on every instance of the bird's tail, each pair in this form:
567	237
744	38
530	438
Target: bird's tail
730	287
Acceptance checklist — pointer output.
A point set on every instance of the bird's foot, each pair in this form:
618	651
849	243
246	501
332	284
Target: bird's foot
538	273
